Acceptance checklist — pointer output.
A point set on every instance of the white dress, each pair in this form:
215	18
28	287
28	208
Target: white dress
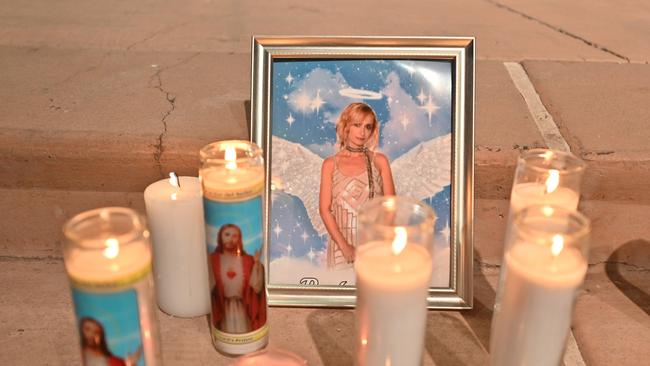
348	194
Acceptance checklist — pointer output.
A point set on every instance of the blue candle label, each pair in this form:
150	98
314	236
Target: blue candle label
109	327
238	295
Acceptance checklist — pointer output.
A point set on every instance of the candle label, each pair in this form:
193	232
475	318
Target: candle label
108	325
235	195
238	295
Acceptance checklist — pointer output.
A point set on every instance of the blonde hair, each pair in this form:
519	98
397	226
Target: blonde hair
352	113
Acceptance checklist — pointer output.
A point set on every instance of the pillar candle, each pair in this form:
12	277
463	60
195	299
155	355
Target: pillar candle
392	290
536	305
528	194
175	215
544	265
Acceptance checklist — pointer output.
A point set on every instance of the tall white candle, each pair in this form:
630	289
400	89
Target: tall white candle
533	316
391	303
175	215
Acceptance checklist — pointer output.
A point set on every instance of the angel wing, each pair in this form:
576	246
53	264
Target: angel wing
424	170
296	171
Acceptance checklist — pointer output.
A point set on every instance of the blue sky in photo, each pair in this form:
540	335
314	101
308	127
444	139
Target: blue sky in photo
412	100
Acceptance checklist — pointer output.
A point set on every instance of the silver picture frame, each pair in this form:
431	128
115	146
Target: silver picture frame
458	52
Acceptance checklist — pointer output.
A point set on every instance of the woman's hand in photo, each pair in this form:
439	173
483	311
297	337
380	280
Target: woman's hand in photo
348	252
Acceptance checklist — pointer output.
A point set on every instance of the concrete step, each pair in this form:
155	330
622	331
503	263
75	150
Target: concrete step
117	121
610	324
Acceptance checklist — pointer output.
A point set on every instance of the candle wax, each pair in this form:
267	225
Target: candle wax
175	216
391	303
533	317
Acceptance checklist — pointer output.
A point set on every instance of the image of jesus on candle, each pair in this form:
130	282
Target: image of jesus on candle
238	295
95	347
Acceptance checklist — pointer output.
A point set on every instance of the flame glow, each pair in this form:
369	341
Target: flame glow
173	196
399	243
553	180
547	211
173	180
558	245
548	155
112	248
231	158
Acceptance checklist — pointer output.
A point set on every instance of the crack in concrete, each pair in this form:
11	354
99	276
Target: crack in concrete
156	33
560	30
171	99
635	267
15	258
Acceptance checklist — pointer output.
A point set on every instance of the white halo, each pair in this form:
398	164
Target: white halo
359	93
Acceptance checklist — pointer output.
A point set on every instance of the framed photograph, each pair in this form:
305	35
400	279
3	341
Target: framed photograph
342	119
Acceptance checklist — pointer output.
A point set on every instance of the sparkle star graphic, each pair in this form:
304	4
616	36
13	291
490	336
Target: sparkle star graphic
289	249
277	229
289	78
430	108
422	97
304	236
290	120
311	255
317	102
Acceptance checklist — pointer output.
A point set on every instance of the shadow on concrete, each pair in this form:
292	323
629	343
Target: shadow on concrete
333	334
636	255
450	342
479	318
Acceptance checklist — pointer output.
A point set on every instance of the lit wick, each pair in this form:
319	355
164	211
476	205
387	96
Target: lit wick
176	182
553	180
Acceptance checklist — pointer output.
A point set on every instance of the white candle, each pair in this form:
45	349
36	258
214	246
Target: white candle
528	194
175	215
391	303
533	316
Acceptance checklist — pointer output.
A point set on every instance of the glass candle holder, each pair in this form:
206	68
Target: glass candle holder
543	269
232	178
108	260
393	270
546	177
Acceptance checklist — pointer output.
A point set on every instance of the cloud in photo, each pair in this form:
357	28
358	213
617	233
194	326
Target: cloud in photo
408	124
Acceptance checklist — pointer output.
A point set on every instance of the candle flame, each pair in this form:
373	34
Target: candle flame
553	180
558	245
399	243
548	155
173	196
112	248
231	158
547	211
364	341
173	180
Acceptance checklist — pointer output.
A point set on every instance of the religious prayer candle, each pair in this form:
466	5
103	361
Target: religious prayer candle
175	216
393	270
108	261
232	176
544	267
